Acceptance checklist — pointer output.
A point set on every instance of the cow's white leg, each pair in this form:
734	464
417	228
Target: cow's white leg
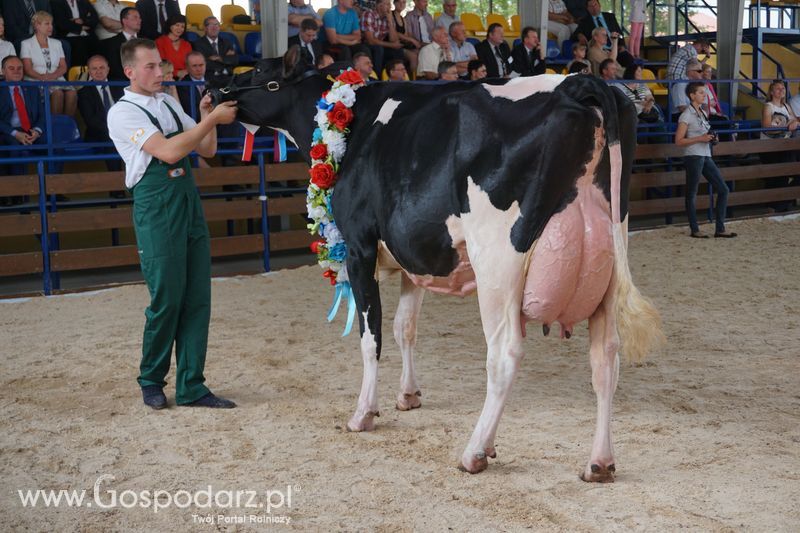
367	407
604	344
405	333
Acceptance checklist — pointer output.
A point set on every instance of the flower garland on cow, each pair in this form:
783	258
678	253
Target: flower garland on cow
328	145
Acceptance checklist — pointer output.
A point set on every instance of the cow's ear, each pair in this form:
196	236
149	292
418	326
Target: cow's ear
291	62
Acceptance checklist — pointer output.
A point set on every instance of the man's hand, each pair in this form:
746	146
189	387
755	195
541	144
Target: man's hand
215	58
34	135
21	137
230	52
206	106
394	45
224	113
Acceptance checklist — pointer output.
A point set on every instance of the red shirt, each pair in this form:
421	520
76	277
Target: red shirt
168	52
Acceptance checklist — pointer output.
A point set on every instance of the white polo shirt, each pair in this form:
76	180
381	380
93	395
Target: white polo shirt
129	128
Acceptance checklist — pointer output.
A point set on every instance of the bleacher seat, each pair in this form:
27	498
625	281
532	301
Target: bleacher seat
474	40
191	36
228	11
553	51
566	49
252	44
473	23
493	18
75	72
656	88
196	13
516	25
65	131
243	58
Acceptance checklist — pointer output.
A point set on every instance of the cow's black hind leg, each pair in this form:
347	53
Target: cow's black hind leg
361	262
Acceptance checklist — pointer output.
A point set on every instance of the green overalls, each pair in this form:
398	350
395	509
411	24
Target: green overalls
175	255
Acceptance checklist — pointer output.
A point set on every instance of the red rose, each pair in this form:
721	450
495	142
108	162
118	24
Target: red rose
340	116
350	77
331	275
316	245
322	175
319	152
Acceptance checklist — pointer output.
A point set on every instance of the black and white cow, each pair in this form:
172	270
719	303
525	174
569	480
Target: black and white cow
518	189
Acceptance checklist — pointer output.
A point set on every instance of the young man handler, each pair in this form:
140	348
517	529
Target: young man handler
154	137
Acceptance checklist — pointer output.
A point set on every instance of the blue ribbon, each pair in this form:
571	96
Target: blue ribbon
344	290
281	138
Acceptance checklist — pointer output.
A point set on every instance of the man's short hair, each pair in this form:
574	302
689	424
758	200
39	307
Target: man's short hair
309	24
207	21
393	63
7	59
692	64
128	50
493	26
578	67
194	53
95	58
359	55
605	63
526	30
444	66
125	12
454	25
474	65
692	86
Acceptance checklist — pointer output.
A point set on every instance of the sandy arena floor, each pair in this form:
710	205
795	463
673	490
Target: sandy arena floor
707	432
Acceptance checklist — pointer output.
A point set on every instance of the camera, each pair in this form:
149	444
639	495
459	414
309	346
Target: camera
714	138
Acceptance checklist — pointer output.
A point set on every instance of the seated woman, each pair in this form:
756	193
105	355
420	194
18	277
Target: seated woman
695	135
411	46
43	60
560	21
598	53
6	48
778	114
168	72
641	96
173	47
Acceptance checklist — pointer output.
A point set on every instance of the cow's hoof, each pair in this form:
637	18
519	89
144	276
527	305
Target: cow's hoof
477	462
407	402
596	473
365	422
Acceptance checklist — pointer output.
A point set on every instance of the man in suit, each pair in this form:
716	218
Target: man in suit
310	47
527	56
220	55
154	15
94	103
494	52
598	18
196	65
17	16
74	21
22	119
131	24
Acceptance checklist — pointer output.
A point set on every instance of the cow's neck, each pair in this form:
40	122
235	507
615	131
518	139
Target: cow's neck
298	123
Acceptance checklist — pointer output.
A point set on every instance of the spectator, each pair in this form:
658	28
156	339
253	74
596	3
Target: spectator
298	12
449	17
578	67
378	30
638	16
310	47
476	70
596	18
579	56
396	70
676	69
778	114
343	31
173	47
608	70
432	54
463	51
109	13
419	23
576	8
220	55
678	94
74	22
597	52
527	57
94	103
494	52
560	21
18	15
43	60
695	135
196	72
646	109
324	60
155	14
6	48
362	5
130	22
168	73
447	71
411	46
794	103
363	65
22	118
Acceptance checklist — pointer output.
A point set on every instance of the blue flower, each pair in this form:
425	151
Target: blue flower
317	135
323	104
338	252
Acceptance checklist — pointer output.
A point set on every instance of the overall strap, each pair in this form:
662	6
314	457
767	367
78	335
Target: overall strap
153	119
175	116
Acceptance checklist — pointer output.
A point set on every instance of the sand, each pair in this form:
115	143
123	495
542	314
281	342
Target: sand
707	431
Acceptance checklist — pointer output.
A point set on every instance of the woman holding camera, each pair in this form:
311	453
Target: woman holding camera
694	133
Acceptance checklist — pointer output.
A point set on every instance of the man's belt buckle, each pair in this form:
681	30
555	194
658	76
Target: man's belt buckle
176	172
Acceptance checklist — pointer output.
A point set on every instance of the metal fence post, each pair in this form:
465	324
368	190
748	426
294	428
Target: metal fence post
45	238
262	195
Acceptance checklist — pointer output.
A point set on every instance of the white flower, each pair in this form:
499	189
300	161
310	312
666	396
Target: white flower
318	214
337	145
332	235
335	266
322	119
344	94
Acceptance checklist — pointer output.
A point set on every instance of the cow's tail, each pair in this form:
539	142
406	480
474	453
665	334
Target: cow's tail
638	321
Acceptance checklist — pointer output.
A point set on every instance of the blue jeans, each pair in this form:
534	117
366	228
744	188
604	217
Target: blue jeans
695	167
